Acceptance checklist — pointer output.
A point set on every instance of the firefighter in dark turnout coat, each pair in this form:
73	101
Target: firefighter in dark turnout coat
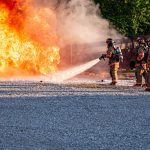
141	62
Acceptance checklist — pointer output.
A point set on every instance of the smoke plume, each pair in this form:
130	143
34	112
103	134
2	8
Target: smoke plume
79	21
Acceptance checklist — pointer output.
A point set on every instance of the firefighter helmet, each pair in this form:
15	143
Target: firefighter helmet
109	40
140	40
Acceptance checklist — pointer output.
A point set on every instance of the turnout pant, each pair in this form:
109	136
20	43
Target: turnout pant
139	73
114	72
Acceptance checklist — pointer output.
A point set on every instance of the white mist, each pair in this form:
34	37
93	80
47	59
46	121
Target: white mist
69	73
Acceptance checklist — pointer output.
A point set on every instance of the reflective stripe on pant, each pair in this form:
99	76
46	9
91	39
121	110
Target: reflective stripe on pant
114	72
139	72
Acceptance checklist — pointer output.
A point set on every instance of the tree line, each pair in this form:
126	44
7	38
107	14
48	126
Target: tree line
130	17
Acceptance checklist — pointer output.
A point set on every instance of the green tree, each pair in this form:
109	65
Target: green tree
131	17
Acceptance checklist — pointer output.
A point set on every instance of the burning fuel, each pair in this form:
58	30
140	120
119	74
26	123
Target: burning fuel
28	42
31	32
67	74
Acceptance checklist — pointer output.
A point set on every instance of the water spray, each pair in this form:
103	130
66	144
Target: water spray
67	74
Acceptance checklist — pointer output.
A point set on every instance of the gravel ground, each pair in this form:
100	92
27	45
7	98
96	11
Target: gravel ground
73	116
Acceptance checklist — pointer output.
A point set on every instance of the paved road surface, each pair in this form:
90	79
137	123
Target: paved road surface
42	116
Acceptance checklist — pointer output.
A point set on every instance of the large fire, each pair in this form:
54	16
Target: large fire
28	41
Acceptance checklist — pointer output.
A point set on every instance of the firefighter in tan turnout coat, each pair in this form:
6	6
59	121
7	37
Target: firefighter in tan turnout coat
114	55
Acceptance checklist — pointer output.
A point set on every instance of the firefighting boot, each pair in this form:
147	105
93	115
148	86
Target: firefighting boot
137	85
144	85
113	83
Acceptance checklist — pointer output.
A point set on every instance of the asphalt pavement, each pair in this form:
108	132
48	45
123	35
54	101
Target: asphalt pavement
44	116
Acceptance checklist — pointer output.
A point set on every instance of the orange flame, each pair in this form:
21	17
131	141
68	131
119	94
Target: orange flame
28	41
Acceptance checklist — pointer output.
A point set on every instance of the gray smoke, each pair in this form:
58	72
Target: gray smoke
79	21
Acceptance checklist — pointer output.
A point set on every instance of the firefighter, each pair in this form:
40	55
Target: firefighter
141	62
148	66
114	55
